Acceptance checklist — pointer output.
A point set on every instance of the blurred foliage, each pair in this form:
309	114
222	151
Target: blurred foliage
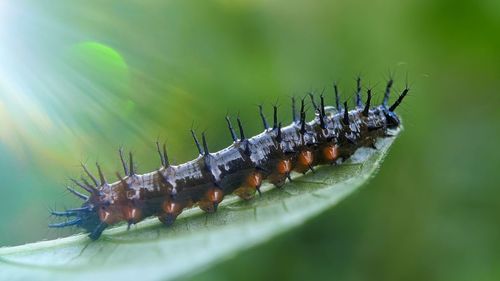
78	79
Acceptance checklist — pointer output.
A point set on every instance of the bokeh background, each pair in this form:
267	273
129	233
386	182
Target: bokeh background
78	79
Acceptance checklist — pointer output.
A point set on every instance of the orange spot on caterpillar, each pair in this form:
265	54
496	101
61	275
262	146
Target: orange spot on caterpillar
173	208
305	161
305	158
330	152
213	197
170	212
109	216
252	183
284	166
254	179
131	214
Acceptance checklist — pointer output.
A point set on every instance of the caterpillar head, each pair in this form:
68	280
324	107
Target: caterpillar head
391	117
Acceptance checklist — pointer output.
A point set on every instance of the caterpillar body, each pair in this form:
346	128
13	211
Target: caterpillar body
330	138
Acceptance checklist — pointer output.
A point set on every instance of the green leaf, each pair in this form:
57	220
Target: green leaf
150	251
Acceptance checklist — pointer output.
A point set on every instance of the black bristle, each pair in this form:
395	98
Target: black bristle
196	142
131	164
387	92
337	97
122	159
78	194
302	123
294	111
278	134
367	105
322	104
231	129
242	134
101	174
275	117
346	114
205	145
94	180
359	103
399	100
263	117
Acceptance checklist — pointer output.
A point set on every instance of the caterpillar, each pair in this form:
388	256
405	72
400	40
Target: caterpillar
330	138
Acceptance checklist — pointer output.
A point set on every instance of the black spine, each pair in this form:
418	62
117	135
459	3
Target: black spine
346	114
200	150
122	159
205	145
264	121
322	104
132	166
337	97
387	92
101	174
367	105
294	111
399	100
231	130
242	133
359	103
275	117
94	180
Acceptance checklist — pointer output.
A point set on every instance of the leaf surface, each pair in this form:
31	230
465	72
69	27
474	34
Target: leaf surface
150	251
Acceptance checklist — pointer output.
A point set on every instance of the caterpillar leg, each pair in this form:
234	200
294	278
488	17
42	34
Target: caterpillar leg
329	153
96	233
251	184
211	200
281	173
170	212
305	161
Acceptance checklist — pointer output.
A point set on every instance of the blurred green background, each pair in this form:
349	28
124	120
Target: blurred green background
78	79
